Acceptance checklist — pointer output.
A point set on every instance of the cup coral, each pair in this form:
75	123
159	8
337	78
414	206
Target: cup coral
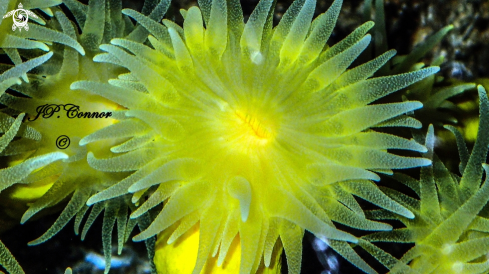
449	233
42	162
253	130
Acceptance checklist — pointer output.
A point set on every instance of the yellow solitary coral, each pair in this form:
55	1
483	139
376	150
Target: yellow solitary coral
253	130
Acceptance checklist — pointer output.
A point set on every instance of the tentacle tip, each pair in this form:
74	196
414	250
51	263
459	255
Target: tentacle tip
244	216
43	47
481	89
91	159
133	189
417	105
24	219
447	127
138	238
60	155
126	11
408	214
34	242
486	168
425	162
83	142
104	47
116	41
92	200
375	178
80	50
134	215
98	58
75	85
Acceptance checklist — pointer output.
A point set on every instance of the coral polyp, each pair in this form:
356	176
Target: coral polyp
252	129
450	228
39	161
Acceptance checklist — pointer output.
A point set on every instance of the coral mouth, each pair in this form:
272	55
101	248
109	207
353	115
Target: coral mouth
253	130
259	130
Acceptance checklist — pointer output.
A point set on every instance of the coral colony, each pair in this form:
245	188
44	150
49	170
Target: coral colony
243	132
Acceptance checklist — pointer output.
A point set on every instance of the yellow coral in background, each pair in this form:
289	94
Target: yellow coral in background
180	256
